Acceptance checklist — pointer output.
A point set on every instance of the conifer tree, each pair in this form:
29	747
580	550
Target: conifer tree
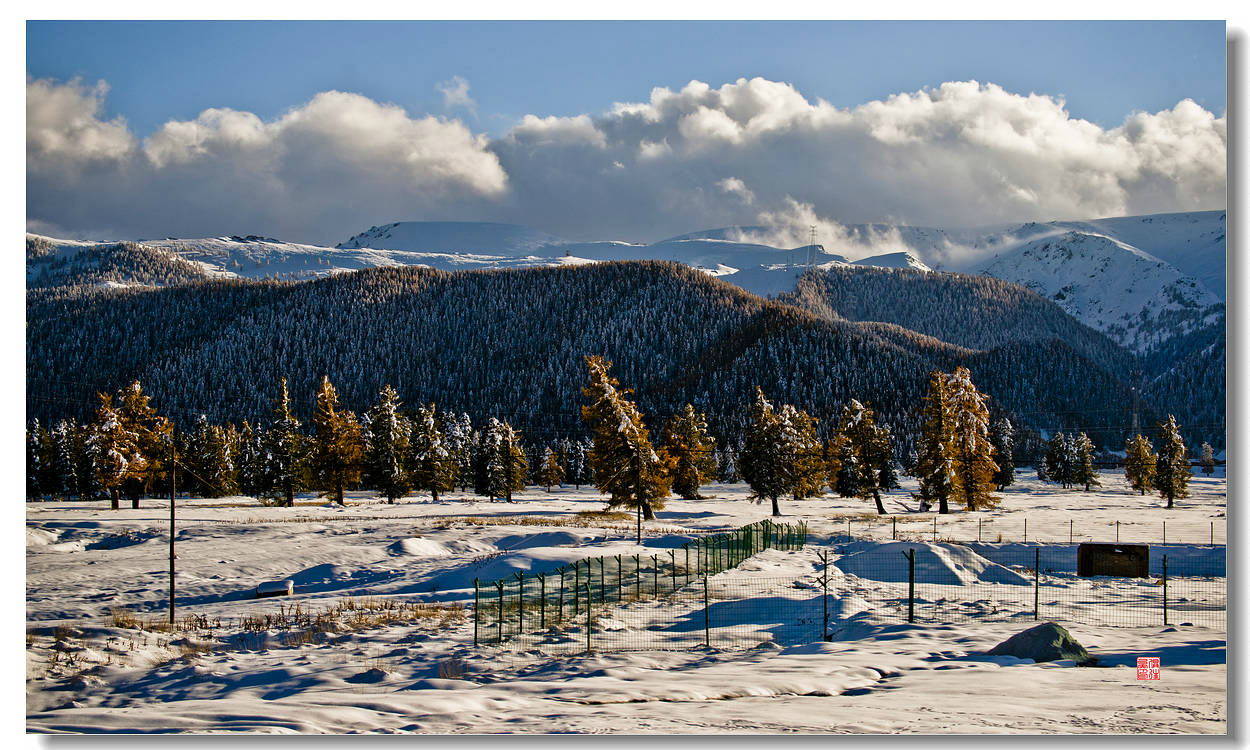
458	431
1208	459
114	451
799	433
550	471
337	452
248	449
687	441
935	461
861	455
150	434
626	467
972	454
433	465
1002	438
66	443
284	455
781	454
206	455
1084	471
502	467
1139	463
1172	470
1058	459
387	446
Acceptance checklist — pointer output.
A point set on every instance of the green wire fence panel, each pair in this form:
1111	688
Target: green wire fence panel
528	603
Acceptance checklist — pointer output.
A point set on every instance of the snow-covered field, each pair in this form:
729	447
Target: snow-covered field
382	638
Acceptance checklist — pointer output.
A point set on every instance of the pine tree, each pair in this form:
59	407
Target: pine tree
206	456
284	453
337	451
1058	462
862	455
1208	459
113	450
387	446
150	435
65	445
550	471
1172	470
1084	471
935	461
1001	437
1139	463
248	449
458	431
972	452
501	464
433	465
781	454
626	467
687	441
799	434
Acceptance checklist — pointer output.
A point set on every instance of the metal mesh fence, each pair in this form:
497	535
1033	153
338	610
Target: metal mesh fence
666	606
524	604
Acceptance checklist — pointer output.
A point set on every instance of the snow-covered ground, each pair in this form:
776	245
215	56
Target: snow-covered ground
382	639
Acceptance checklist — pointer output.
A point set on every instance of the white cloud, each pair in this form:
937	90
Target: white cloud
320	172
963	153
456	95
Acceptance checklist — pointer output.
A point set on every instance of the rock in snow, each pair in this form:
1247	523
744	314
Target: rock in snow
1045	642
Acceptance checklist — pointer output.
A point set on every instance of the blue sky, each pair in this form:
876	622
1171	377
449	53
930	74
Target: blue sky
172	70
315	131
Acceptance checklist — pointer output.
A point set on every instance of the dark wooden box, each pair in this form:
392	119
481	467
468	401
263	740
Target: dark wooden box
1126	560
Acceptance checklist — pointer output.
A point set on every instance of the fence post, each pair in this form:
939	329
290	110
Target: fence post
911	583
1165	589
1117	532
655	576
707	617
603	590
619	593
1026	529
637	577
577	589
1037	577
979	521
1069	531
560	611
672	562
588	625
499	585
477	619
894	528
935	528
686	577
824	584
1165	533
520	628
848	529
542	601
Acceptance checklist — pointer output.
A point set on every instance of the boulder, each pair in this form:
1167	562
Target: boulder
1045	642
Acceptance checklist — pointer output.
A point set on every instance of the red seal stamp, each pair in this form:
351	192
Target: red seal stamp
1147	667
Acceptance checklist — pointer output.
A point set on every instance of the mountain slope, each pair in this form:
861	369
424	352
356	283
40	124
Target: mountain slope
1136	298
511	345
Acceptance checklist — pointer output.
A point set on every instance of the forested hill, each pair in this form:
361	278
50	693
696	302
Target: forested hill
1185	376
511	344
976	312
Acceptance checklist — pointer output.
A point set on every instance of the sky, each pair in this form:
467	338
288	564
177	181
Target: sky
314	131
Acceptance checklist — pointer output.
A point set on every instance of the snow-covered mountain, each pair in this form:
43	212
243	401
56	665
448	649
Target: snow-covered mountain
1143	280
1134	297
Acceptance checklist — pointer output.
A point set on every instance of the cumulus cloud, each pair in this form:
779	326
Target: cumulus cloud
752	151
320	172
456	95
